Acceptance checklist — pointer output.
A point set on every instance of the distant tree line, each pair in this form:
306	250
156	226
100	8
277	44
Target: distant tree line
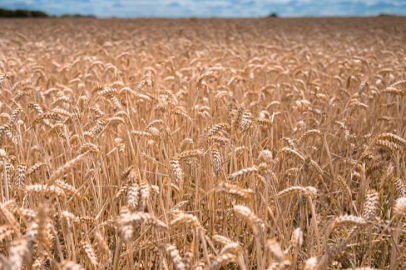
22	13
77	16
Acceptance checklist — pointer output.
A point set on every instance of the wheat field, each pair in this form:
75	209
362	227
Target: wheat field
203	143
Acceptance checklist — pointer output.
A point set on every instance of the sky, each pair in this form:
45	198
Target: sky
211	8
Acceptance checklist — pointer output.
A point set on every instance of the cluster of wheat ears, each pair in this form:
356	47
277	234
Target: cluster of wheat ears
203	144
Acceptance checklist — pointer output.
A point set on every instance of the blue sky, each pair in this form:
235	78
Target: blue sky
209	8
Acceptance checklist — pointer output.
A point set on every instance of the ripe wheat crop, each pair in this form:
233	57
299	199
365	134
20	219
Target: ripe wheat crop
203	144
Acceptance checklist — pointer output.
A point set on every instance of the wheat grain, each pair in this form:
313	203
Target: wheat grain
186	219
307	191
370	205
234	190
400	206
175	257
222	259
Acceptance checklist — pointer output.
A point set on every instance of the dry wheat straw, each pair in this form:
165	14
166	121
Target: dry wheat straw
168	144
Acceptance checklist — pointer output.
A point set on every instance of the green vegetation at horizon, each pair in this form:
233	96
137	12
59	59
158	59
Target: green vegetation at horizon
22	13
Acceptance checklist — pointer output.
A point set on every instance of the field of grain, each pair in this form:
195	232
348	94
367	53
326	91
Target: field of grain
203	144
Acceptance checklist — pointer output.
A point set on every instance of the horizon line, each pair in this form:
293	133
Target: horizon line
269	15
